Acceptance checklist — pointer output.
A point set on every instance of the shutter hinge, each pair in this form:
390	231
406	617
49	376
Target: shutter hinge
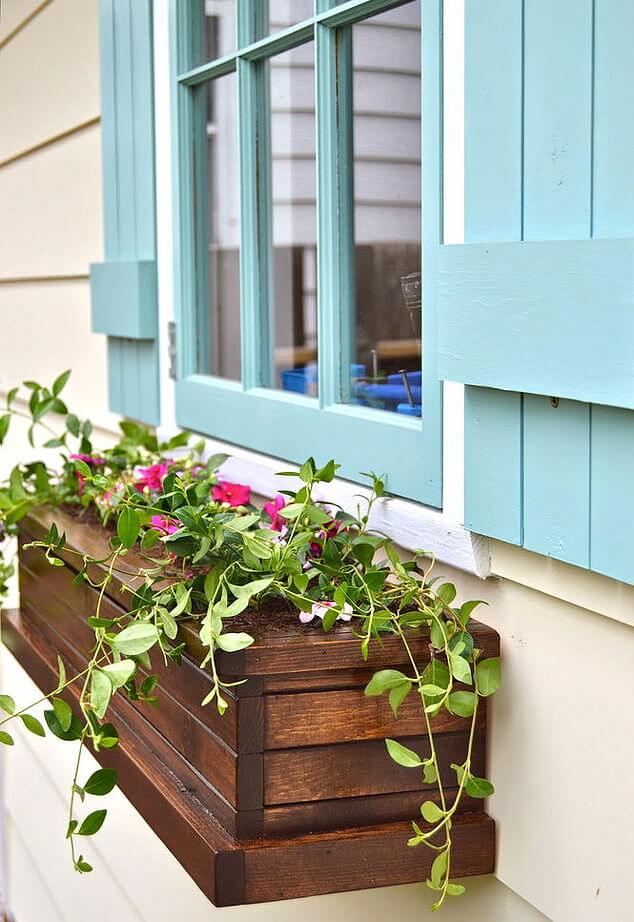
171	349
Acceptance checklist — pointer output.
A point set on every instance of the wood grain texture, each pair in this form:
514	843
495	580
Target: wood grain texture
329	861
357	769
342	716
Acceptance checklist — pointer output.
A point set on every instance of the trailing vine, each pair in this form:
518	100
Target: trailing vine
191	546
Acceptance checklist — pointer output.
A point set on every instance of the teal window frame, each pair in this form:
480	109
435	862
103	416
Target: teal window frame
280	423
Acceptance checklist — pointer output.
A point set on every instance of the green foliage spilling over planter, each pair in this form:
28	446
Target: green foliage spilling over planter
204	552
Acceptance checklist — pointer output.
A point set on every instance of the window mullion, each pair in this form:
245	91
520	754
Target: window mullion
255	202
335	209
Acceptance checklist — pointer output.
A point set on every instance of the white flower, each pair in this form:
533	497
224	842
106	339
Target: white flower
319	609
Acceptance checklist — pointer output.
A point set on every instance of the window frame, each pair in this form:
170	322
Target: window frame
247	413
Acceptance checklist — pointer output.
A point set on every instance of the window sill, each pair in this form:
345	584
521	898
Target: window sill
411	525
240	800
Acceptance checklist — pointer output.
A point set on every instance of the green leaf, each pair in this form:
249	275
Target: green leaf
397	696
72	424
82	467
214	462
92	823
5	422
100	692
230	643
120	673
74	732
478	787
464	612
108	736
6	738
82	866
430	775
181	605
439	869
7	704
128	525
466	640
32	724
60	383
402	755
461	703
169	623
460	668
431	812
252	588
150	539
384	680
101	782
455	889
72	826
63	713
446	593
488	676
136	638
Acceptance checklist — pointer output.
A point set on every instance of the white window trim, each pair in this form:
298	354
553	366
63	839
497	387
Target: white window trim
410	524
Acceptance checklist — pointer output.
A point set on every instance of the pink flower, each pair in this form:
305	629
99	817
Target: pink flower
319	609
88	459
235	494
272	509
328	531
165	524
153	476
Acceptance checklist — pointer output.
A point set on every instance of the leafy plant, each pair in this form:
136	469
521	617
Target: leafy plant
204	552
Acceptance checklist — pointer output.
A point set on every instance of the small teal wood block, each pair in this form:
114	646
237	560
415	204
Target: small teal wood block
493	463
553	317
124	298
557	479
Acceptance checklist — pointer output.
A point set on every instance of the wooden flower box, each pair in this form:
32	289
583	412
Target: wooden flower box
290	793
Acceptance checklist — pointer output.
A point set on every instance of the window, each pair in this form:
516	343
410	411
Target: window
305	255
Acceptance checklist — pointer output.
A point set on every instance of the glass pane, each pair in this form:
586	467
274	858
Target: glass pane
385	365
214	35
285	13
217	228
292	82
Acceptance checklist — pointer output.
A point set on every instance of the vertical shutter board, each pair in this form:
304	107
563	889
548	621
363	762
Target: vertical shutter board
557	205
129	196
143	128
613	185
133	382
558	119
612	497
493	463
493	119
557	479
493	211
110	172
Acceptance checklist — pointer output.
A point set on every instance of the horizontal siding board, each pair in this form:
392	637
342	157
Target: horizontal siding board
612	493
557	479
493	463
554	317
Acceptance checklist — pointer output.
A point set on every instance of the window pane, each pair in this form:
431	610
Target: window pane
213	35
294	221
217	228
386	322
285	13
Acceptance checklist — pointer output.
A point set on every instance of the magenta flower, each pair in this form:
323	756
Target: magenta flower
153	476
235	494
329	530
272	509
88	459
165	524
319	609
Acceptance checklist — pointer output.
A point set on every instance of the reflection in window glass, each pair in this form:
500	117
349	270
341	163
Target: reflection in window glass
214	35
386	362
294	221
217	228
285	13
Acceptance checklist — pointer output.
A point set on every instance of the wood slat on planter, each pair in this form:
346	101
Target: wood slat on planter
296	775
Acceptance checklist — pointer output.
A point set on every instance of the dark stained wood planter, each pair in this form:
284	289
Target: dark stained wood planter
292	792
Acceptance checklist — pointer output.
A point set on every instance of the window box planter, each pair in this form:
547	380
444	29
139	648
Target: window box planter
291	793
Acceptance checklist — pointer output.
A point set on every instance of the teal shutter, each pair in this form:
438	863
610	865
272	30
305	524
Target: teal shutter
123	287
536	310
